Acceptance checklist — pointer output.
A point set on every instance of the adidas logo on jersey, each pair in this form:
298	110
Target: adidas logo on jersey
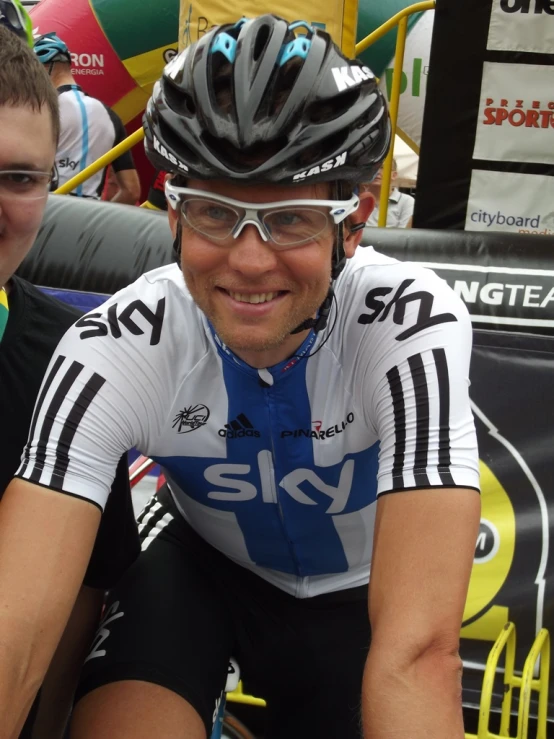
239	428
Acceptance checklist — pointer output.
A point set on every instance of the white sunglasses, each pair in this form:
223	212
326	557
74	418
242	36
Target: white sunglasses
283	224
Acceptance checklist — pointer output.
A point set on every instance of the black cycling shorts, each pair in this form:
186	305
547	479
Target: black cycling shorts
183	609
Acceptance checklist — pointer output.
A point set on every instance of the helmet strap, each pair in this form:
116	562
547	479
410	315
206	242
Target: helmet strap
338	261
177	242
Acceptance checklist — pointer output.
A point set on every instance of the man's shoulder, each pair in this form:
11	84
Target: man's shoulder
157	300
372	280
45	308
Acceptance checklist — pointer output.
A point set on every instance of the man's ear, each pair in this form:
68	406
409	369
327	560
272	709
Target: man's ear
173	216
352	239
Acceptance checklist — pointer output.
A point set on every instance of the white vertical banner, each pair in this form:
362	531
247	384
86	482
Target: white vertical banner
509	201
413	84
516	113
522	25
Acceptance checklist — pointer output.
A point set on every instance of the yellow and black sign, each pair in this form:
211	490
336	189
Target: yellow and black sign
337	17
511	390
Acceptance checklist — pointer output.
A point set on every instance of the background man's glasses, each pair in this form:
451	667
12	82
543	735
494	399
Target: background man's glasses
24	184
282	224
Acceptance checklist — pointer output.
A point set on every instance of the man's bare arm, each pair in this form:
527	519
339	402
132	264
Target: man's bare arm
129	187
45	543
423	553
60	683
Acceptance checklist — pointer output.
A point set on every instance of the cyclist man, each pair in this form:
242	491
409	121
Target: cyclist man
89	129
308	403
31	325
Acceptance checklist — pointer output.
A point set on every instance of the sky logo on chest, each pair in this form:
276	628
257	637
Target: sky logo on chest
286	513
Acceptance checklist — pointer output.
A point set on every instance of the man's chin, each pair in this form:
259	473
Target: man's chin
251	340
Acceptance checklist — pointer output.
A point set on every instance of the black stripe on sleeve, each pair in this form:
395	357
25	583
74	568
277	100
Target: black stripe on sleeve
53	372
421	391
74	418
443	379
397	393
50	416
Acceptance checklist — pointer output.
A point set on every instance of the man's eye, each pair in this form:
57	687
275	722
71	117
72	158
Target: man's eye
216	213
19	178
287	219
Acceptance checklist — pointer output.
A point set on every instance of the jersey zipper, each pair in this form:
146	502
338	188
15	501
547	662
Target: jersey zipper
290	544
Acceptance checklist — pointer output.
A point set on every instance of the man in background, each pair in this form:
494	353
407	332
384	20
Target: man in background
400	205
89	129
31	324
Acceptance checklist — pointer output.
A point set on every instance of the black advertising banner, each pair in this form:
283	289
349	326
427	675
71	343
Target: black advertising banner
487	148
507	284
512	393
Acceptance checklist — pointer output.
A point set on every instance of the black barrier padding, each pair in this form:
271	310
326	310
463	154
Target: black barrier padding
93	246
463	247
506	280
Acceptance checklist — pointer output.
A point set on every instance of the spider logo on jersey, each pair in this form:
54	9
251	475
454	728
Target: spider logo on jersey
191	418
380	309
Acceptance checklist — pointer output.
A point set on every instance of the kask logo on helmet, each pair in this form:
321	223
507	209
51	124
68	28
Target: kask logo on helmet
162	151
350	76
338	161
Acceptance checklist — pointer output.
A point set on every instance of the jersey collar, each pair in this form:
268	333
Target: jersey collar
275	373
67	88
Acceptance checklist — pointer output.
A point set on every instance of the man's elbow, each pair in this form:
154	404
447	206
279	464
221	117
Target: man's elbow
129	188
434	659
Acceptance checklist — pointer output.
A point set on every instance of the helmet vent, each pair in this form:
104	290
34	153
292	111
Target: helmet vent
261	42
327	110
324	149
175	143
284	85
180	102
244	159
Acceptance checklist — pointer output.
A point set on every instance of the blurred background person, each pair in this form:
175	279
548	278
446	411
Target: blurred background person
89	129
400	205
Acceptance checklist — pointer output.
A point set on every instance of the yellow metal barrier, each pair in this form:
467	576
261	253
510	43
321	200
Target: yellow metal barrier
526	683
400	20
99	164
238	696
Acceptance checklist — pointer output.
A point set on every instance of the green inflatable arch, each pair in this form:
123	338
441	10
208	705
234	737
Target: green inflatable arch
371	15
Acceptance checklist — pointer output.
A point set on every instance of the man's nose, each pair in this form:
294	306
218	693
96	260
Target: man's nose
250	254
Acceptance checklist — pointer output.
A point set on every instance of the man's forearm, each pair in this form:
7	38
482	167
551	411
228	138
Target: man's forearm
17	692
124	196
421	700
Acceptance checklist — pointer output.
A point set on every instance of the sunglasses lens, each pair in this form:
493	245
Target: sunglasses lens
209	217
296	225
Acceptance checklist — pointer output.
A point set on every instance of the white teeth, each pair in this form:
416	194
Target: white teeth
257	298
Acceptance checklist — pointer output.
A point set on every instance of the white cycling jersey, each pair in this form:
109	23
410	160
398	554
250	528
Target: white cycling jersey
278	468
88	130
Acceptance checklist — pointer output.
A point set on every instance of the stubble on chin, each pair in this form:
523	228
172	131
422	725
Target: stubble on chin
244	338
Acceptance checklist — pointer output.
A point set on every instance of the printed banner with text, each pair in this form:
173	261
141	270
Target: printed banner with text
488	123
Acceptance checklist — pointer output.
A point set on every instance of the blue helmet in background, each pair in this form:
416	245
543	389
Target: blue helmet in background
50	48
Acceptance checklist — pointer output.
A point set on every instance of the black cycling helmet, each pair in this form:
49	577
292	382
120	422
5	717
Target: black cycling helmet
265	100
